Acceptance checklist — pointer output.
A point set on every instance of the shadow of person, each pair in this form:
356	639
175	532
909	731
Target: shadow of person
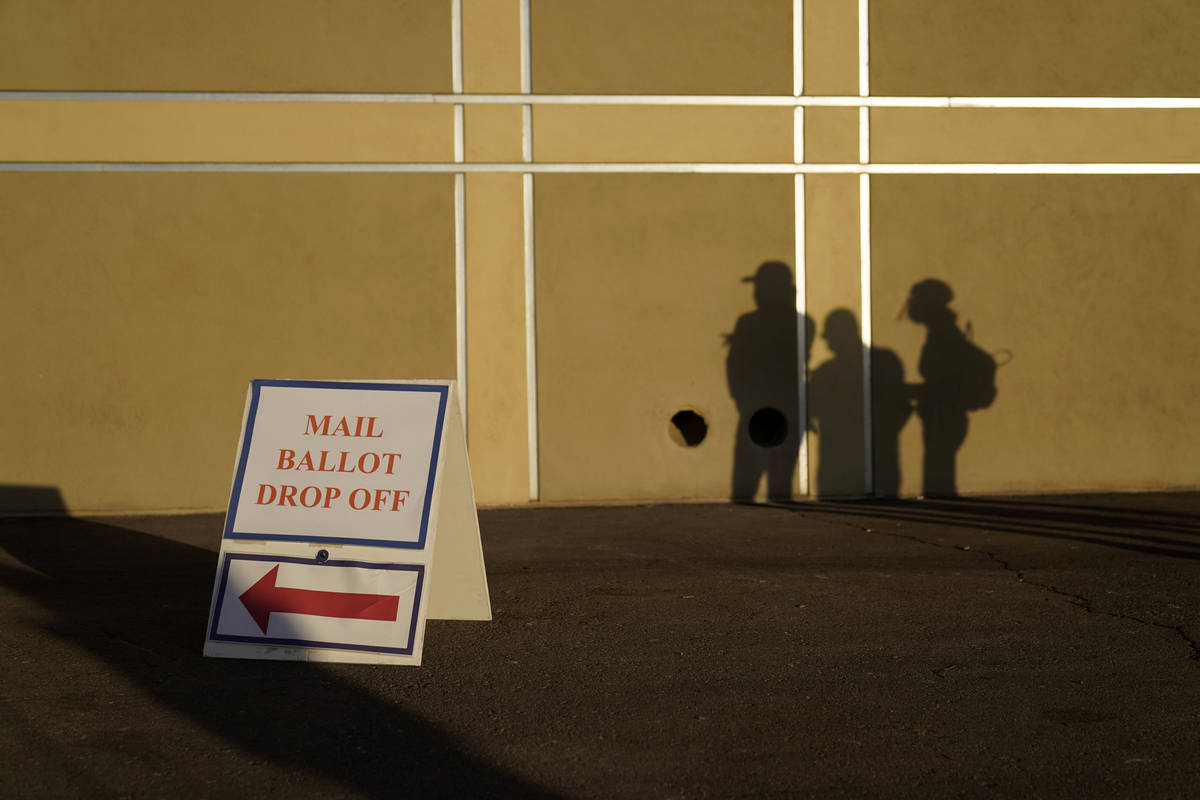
835	408
762	368
891	407
957	376
836	415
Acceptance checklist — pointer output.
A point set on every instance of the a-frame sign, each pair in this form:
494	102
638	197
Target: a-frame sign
351	520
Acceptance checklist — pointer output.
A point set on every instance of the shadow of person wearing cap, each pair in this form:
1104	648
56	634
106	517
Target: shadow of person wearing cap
762	368
958	377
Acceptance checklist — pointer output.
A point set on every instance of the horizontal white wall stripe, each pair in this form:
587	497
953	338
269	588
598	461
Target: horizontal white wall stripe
1023	169
1182	168
836	101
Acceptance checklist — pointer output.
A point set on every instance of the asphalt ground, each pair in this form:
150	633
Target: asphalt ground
1019	647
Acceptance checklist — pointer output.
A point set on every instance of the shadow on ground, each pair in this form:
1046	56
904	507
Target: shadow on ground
134	601
1136	527
967	648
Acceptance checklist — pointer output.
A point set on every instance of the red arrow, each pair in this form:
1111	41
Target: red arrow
264	598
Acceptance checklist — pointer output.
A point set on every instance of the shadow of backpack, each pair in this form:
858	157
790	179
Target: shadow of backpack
978	376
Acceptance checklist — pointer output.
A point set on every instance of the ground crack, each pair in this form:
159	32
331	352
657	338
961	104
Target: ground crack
1075	599
1090	608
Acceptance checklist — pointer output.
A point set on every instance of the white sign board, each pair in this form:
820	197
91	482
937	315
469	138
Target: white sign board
348	497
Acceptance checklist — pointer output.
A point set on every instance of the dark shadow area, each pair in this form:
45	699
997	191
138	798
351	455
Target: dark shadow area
17	499
891	408
762	368
836	411
138	602
688	428
1125	527
957	377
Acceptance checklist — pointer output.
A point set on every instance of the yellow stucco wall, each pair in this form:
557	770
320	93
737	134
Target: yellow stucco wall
662	133
291	236
225	45
662	47
149	131
1031	48
964	135
640	284
1084	285
138	307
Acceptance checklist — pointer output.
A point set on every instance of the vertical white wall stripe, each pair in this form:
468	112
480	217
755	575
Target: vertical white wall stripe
864	62
864	135
460	133
460	212
460	289
801	339
527	133
526	49
531	375
864	235
531	382
456	46
800	244
797	48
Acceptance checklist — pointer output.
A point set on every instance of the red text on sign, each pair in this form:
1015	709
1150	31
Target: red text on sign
287	495
325	426
325	461
362	498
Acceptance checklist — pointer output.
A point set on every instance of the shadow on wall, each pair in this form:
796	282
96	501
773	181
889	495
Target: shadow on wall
957	377
835	411
17	499
125	598
762	367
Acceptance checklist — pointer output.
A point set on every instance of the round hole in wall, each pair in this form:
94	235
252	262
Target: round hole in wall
687	428
768	427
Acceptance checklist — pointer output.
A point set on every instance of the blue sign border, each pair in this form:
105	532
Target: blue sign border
235	496
266	640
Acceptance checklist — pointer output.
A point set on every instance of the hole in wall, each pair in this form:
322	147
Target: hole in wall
768	427
687	428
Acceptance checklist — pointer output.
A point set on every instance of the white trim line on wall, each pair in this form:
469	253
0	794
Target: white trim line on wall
864	244
837	101
1099	168
802	454
531	350
460	212
797	48
800	238
456	46
460	291
531	373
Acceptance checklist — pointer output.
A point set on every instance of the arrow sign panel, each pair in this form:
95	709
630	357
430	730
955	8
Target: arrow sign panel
299	602
265	597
